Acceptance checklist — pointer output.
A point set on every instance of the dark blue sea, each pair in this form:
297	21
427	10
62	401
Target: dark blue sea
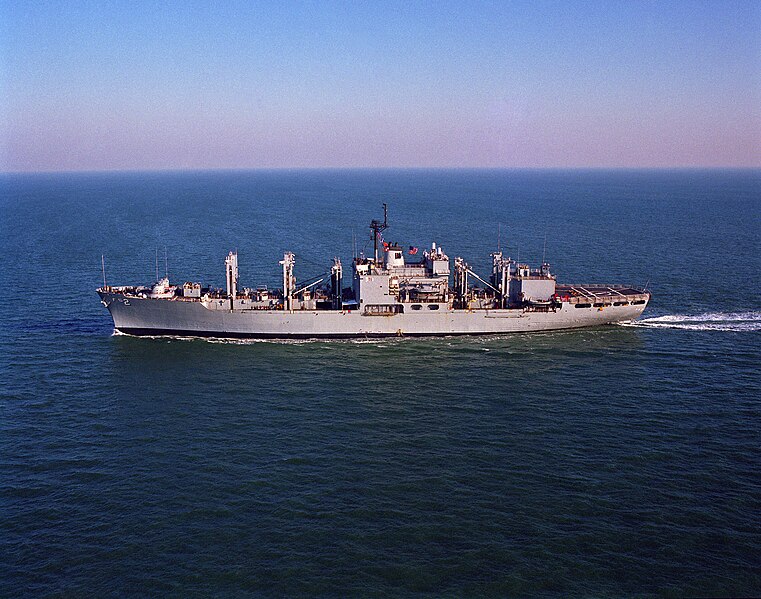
622	461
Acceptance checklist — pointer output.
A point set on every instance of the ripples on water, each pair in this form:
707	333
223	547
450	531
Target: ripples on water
615	461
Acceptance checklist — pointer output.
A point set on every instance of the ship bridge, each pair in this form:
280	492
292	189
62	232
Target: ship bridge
387	286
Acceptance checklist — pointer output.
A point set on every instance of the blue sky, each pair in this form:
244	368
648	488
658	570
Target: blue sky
167	85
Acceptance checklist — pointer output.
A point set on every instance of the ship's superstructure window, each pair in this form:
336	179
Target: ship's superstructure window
383	309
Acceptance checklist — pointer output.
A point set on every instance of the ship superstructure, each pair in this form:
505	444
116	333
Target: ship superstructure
424	293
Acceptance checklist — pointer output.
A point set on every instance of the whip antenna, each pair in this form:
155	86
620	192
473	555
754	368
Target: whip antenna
544	249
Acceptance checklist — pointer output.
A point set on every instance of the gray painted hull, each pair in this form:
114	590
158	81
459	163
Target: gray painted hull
143	316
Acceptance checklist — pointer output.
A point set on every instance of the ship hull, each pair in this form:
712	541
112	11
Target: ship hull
145	316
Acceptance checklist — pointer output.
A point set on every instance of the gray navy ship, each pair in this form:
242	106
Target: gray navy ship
390	295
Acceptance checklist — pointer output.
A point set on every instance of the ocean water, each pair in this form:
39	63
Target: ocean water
611	462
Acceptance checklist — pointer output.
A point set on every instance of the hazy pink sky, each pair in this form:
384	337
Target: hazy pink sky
86	86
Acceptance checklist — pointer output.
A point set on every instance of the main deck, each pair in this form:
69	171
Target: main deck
145	316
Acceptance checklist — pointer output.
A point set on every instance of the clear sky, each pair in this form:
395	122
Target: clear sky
165	85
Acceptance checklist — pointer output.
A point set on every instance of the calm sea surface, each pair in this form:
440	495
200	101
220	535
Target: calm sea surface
620	461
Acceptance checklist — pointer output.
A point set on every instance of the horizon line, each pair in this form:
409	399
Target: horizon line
378	168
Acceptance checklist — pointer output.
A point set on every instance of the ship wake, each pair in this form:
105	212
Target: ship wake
254	341
709	321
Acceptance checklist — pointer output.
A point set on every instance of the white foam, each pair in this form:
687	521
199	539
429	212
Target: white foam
379	342
708	321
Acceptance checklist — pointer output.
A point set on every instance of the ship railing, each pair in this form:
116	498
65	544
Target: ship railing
612	295
635	286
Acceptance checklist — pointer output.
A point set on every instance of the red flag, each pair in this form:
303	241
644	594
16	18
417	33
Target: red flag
385	246
412	251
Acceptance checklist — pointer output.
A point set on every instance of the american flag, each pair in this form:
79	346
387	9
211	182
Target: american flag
412	250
